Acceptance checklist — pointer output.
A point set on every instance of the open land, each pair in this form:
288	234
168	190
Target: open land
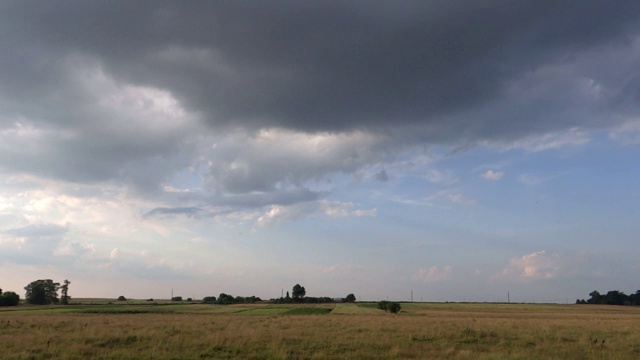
100	329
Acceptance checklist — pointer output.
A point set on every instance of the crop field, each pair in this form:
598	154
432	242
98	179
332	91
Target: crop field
164	330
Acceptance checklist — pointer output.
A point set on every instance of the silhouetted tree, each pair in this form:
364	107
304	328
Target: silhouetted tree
595	297
298	292
224	299
42	292
209	299
64	299
9	298
615	297
350	298
388	306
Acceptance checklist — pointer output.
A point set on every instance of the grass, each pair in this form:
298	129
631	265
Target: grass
338	331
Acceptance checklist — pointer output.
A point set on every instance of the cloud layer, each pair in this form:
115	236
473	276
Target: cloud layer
145	120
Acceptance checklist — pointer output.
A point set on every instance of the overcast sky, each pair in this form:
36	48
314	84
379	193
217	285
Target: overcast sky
457	149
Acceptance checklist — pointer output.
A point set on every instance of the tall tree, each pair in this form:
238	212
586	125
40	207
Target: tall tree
64	300
42	292
298	292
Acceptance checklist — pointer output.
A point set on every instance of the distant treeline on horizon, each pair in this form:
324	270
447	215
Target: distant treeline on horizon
613	297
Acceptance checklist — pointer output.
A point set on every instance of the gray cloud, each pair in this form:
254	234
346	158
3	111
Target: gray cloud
141	93
38	231
163	211
32	243
382	176
334	66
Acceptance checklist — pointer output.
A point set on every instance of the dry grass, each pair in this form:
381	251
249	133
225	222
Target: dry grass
439	331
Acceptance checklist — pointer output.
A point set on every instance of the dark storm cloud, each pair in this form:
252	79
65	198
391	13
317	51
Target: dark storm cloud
330	66
238	104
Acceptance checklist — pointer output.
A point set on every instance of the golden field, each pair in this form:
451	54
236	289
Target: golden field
342	331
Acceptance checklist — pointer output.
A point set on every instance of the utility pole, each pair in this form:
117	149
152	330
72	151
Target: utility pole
411	295
508	298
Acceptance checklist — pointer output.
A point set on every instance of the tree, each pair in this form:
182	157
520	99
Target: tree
350	298
298	292
225	299
595	297
615	297
9	298
64	300
388	306
42	292
122	298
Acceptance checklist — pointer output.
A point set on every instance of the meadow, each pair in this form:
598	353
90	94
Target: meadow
164	330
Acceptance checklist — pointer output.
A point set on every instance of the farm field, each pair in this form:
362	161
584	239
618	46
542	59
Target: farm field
165	330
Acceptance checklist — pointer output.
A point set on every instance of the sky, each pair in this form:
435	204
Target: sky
453	150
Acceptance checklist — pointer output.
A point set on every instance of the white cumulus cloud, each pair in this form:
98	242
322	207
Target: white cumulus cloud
533	266
433	274
492	175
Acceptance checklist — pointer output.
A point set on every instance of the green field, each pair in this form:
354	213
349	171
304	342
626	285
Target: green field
99	329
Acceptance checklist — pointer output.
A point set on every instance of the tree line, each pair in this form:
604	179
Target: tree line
45	292
298	295
613	297
39	292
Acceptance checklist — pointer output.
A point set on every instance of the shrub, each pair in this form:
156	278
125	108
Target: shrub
176	298
122	298
9	298
388	306
209	299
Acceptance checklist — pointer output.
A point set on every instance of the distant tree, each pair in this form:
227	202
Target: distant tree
42	292
616	297
595	297
224	299
176	298
64	299
9	298
388	306
209	299
298	292
122	298
350	298
287	298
